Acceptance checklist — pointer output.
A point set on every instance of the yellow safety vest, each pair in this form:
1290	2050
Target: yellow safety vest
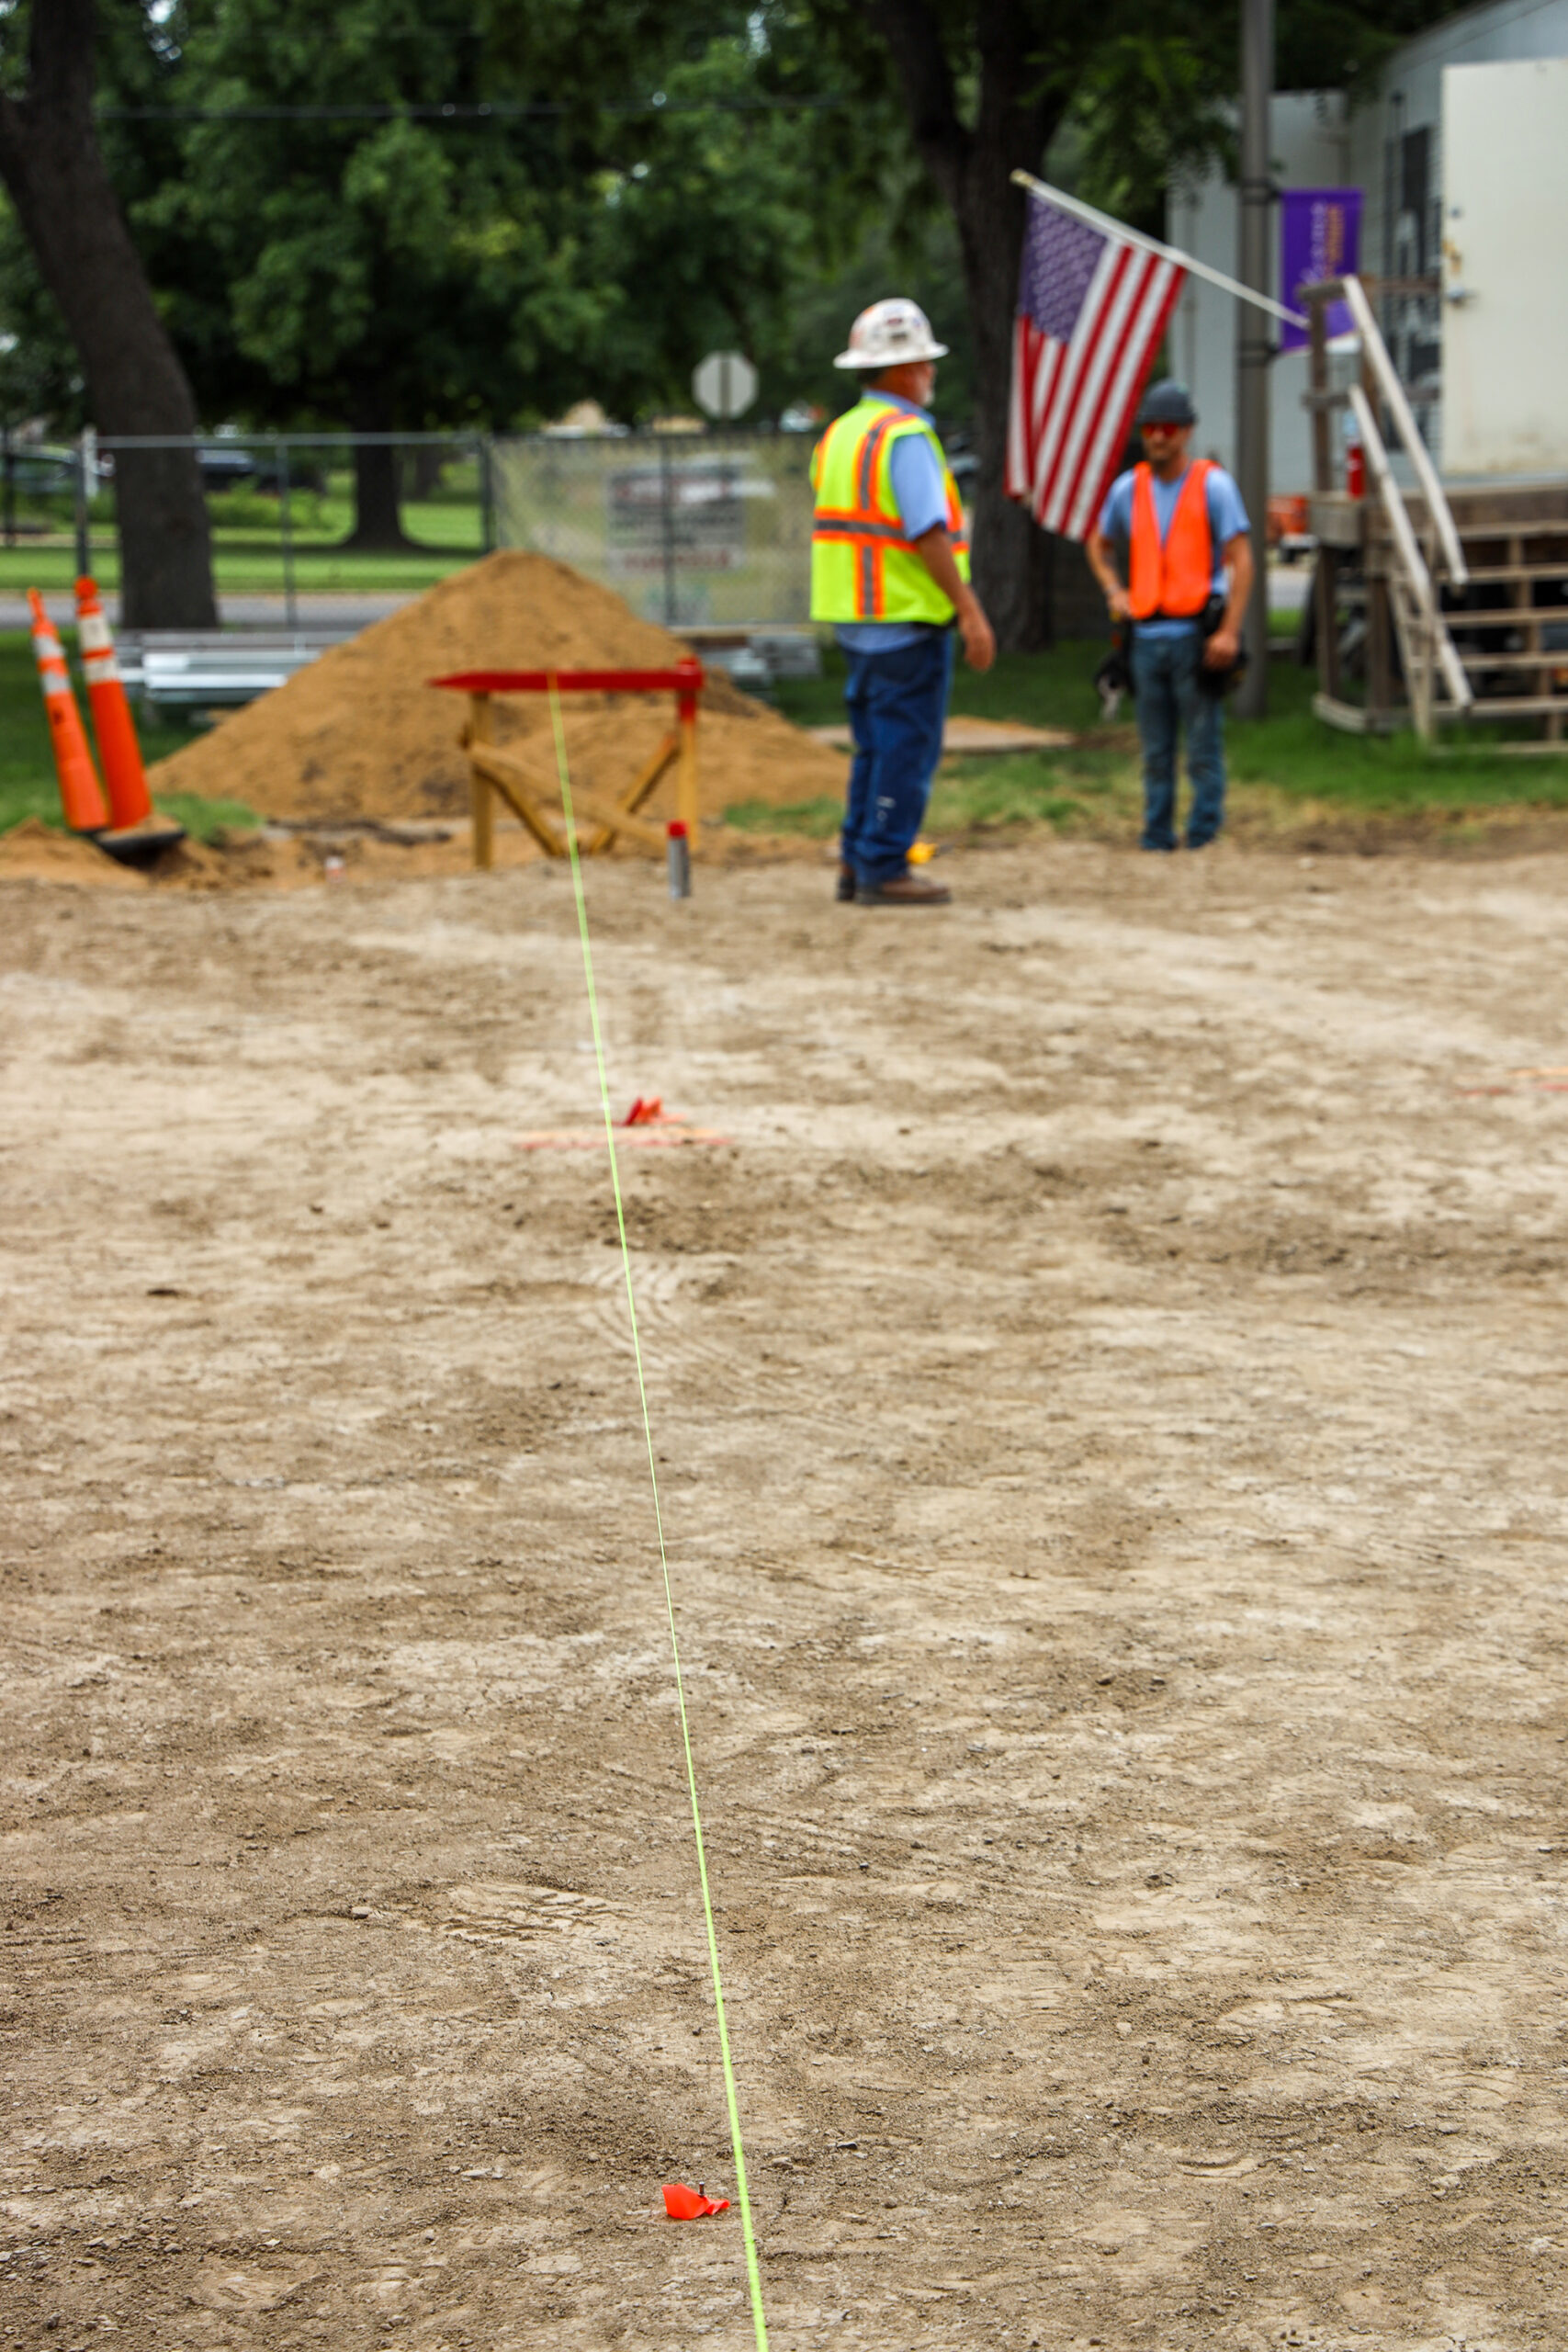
863	566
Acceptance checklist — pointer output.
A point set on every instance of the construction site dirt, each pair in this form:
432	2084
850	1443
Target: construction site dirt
1108	1398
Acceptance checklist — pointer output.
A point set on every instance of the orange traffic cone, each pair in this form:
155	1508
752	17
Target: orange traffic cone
79	795
118	750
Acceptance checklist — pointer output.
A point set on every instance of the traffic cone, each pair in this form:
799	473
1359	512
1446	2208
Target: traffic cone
79	795
119	751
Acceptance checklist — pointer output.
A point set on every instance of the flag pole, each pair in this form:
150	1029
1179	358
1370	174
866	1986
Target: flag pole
1103	220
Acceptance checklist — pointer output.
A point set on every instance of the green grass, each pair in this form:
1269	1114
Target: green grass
1285	769
28	787
447	531
1293	754
817	820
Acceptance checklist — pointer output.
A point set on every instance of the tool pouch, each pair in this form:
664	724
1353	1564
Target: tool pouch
1209	679
1114	677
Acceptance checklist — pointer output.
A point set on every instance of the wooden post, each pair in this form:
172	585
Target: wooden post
482	805
1326	588
687	776
1325	568
1322	445
686	769
1380	621
1379	657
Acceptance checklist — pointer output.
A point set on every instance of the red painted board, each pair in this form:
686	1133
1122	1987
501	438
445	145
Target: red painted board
686	678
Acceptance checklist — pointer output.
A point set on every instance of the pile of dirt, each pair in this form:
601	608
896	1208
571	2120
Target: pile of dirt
361	734
34	852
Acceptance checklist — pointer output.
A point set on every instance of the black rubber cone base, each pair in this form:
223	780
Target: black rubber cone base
141	844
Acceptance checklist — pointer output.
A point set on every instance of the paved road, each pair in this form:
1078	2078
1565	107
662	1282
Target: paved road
242	611
1286	592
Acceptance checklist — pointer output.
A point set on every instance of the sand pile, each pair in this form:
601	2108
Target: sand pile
360	734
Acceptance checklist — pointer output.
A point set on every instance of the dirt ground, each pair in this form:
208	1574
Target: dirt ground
1110	1402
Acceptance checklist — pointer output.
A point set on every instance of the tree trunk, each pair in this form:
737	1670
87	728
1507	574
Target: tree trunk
427	463
377	526
52	165
1012	557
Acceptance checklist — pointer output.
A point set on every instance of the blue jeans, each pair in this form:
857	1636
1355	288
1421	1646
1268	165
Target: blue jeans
1165	679
897	703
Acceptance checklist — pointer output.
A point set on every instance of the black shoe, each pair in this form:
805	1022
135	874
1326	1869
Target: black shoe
904	890
846	889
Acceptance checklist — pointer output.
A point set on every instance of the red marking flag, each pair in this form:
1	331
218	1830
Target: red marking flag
1091	310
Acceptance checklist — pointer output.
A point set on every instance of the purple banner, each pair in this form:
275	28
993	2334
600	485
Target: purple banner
1320	236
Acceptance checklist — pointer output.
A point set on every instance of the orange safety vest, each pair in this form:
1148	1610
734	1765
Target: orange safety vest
1176	580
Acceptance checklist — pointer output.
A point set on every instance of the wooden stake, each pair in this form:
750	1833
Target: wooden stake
478	732
631	801
686	776
516	786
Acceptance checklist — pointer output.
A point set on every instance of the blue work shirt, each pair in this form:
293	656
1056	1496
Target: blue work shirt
920	493
1227	516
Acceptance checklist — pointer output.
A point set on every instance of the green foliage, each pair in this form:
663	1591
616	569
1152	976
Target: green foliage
1138	87
407	274
915	254
1154	94
410	274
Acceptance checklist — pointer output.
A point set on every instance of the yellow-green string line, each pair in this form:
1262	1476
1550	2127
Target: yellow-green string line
754	2273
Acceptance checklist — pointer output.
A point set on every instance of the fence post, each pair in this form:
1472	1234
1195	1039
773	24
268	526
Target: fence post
286	526
667	518
486	492
83	533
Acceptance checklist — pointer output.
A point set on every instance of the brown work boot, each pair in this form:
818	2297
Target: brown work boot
903	890
846	889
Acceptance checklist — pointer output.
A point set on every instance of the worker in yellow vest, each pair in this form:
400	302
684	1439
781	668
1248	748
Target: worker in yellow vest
890	570
1188	577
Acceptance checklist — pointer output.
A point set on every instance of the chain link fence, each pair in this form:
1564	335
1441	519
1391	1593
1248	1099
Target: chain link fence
294	517
696	531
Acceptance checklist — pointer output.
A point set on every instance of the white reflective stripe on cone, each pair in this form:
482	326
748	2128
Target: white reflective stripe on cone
100	667
92	634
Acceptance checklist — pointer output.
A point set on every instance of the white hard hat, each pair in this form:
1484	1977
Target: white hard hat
889	334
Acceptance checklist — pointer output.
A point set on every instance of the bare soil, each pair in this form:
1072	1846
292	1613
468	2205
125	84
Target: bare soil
363	733
1108	1404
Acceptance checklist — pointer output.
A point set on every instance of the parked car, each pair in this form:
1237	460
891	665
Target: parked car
43	469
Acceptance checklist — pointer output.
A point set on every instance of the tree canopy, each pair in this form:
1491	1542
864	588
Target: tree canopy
327	246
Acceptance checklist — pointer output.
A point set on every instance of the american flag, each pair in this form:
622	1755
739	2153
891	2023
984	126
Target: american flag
1090	314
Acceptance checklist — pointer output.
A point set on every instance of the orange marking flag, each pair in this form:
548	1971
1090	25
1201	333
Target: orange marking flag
683	2204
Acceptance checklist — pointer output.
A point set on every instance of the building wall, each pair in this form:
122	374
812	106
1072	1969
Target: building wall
1309	145
1392	150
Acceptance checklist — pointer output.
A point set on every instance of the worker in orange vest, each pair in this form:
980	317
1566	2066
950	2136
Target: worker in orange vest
1188	577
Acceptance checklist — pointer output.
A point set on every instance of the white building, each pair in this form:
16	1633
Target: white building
1462	162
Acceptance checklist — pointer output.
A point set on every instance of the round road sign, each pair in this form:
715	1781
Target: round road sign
724	384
